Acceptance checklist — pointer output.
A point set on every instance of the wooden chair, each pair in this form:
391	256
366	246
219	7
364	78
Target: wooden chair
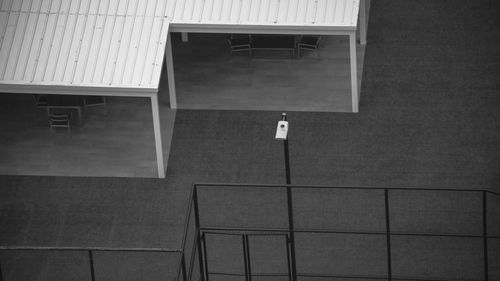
59	120
240	42
40	100
308	42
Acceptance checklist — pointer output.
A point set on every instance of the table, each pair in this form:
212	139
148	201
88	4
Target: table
273	42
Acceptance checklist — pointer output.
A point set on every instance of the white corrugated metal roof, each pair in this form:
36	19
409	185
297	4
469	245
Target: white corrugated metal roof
84	43
118	45
296	16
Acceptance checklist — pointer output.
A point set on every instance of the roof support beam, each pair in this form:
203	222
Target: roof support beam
169	61
354	72
157	131
363	20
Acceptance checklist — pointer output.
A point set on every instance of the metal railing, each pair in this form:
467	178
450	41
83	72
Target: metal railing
193	252
184	273
388	232
90	253
185	264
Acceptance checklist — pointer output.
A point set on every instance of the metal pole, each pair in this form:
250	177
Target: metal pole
288	181
183	265
91	263
287	156
201	248
288	256
205	259
485	237
246	258
388	235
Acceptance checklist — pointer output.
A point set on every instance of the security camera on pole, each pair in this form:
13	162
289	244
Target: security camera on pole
282	134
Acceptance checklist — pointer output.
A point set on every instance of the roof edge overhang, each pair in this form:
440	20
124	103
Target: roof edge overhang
77	90
196	27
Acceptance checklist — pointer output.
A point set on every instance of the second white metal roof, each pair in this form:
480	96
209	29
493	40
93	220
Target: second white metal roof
264	16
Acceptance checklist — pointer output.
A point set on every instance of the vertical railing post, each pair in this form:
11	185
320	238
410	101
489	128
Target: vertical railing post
204	258
201	248
388	234
246	257
183	266
288	257
1	274
485	236
292	234
91	264
288	182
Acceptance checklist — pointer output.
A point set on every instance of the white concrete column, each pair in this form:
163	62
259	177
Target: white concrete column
363	24
157	131
185	37
354	72
170	73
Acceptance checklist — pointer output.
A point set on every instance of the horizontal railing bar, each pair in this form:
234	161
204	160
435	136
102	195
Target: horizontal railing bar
221	233
243	274
267	234
277	231
312	230
245	233
415	188
430	279
339	276
437	234
97	249
343	276
243	229
226	273
394	233
377	277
